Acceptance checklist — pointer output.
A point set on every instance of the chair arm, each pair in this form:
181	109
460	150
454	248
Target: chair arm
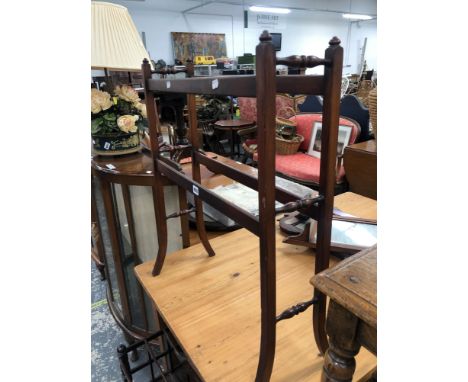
246	131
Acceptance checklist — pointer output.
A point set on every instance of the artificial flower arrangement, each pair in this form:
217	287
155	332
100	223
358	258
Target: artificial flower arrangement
115	121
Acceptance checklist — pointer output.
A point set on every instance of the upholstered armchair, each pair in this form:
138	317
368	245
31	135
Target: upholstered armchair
304	168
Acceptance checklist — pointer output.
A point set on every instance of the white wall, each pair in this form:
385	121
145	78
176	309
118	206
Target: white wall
304	33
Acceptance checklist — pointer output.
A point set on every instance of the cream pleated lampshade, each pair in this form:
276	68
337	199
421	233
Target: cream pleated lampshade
115	41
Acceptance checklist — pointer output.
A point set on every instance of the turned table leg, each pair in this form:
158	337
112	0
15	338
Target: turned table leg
339	363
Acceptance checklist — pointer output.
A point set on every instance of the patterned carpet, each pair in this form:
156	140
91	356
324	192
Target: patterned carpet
106	336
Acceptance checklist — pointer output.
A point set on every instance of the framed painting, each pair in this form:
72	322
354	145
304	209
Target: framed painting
186	45
315	147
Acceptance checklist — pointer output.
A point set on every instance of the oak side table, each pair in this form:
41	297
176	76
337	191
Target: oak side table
352	313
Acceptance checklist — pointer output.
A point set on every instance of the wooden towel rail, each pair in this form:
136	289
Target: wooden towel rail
264	86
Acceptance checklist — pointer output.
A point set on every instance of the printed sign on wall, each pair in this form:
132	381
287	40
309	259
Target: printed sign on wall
267	21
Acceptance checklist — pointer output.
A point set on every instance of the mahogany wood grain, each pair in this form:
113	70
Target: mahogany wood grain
360	161
266	111
265	90
296	61
229	124
196	176
246	175
136	169
237	86
212	306
230	209
331	111
157	185
233	125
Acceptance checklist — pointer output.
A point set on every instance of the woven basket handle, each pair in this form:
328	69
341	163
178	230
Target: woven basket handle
286	108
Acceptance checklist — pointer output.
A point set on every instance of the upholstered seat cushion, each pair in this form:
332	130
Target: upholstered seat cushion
302	166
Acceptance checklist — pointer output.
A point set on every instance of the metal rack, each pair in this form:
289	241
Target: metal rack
160	369
264	87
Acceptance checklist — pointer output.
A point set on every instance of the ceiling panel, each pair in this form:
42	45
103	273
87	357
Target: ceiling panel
351	6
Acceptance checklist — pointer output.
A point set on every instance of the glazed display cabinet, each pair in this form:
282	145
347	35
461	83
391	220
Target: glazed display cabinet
122	202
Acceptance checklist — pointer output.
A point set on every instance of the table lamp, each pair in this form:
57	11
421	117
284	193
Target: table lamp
115	42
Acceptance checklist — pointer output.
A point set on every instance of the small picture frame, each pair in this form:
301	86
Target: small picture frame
315	146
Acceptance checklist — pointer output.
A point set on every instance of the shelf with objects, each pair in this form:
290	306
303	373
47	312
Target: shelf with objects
224	321
206	70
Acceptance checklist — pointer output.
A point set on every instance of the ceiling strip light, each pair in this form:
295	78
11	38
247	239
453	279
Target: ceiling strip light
354	16
255	8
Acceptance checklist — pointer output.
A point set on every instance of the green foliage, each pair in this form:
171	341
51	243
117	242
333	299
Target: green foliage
105	122
124	107
96	125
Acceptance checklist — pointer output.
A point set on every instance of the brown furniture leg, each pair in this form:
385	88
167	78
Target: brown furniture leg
339	363
161	223
196	175
331	112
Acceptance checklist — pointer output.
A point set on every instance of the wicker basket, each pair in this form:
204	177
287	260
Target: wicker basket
286	146
363	92
372	99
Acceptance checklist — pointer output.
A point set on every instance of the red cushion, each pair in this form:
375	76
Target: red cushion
301	166
283	105
248	107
